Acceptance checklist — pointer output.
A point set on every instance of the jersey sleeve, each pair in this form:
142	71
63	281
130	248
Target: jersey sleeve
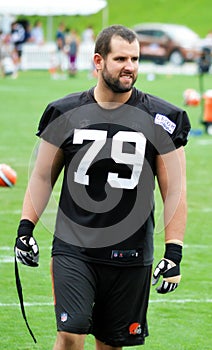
53	126
171	131
171	123
181	131
56	124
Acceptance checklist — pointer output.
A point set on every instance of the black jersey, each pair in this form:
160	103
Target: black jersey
106	207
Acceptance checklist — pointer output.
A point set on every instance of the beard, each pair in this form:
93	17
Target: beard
114	83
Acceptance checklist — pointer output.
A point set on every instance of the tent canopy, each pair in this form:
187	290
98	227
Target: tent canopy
51	8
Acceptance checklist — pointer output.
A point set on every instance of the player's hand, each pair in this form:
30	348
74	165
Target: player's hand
27	251
26	248
171	276
169	269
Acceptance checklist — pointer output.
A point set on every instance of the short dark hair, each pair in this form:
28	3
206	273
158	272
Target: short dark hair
103	40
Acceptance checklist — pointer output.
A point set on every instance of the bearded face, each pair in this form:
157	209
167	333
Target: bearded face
119	69
120	82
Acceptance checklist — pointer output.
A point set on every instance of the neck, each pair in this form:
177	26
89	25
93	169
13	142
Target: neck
108	99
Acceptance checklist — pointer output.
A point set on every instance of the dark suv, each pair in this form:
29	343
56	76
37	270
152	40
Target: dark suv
161	42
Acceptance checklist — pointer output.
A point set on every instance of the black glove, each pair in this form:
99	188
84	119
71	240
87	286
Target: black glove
26	248
169	268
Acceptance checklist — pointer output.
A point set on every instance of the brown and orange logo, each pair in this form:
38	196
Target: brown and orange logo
135	328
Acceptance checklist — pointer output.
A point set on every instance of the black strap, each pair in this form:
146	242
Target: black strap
20	295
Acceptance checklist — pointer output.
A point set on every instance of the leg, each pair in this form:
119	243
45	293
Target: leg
73	291
69	341
102	346
119	313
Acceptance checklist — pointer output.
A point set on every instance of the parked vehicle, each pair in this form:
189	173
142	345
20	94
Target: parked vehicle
162	42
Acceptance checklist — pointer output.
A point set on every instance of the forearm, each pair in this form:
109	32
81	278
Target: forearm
172	182
175	217
48	166
36	198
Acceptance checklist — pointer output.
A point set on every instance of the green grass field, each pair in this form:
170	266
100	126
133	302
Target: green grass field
178	321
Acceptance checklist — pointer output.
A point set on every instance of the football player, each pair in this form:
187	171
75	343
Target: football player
111	142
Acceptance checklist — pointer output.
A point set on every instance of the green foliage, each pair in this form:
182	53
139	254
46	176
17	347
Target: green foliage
178	321
195	14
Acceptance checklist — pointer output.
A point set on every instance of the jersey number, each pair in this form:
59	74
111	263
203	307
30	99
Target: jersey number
99	137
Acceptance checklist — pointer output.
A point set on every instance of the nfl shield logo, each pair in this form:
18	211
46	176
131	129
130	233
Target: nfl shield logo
64	317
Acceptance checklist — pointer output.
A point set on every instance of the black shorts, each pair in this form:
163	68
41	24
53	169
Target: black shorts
109	302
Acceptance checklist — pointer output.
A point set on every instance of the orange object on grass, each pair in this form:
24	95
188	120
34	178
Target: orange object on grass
207	117
8	176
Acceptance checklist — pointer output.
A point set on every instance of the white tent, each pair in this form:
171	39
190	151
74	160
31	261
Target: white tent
51	8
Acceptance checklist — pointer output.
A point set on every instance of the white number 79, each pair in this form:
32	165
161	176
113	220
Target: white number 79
99	137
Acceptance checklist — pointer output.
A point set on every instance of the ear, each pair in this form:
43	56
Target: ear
98	61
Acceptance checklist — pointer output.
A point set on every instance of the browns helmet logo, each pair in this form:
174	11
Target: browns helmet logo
135	328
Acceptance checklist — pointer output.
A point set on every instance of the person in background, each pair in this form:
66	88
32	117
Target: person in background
88	35
8	57
18	37
72	47
61	53
88	41
37	34
112	142
60	36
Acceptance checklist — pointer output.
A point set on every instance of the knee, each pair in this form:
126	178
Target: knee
102	346
68	341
